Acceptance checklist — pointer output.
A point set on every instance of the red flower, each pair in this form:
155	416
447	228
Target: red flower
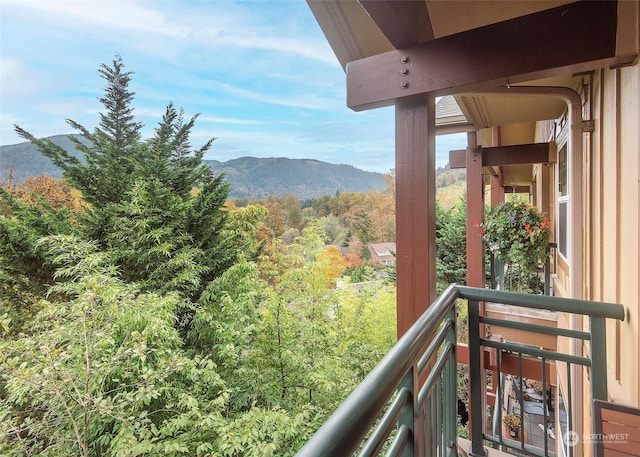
528	207
483	231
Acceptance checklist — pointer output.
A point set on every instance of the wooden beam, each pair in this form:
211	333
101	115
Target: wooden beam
415	208
505	155
575	37
458	158
403	22
497	191
516	154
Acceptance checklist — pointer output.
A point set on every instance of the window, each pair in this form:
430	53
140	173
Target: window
562	172
563	203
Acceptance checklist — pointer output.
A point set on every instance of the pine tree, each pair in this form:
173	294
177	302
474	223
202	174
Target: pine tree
153	205
451	247
105	174
26	268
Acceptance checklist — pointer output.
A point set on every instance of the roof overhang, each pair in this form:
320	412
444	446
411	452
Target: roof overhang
455	47
392	49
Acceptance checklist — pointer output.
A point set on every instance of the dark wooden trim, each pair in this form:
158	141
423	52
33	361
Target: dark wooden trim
403	22
516	154
497	191
505	155
415	208
579	36
458	158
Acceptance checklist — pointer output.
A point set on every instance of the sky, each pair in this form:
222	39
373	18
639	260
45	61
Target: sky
260	73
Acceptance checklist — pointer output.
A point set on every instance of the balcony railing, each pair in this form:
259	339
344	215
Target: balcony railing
407	406
497	278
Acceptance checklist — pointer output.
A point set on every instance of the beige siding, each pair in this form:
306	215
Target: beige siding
614	260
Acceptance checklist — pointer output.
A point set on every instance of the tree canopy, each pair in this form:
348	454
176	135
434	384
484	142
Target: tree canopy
142	313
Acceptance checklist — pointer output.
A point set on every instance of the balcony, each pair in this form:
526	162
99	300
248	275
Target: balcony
408	405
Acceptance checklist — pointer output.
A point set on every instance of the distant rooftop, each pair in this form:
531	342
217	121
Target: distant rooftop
449	114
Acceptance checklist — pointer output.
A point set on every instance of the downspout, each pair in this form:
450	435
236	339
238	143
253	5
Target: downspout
577	281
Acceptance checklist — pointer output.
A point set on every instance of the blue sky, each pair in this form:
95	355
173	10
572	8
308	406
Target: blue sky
260	73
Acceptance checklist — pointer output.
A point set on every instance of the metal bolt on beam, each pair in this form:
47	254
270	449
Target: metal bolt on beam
404	84
404	59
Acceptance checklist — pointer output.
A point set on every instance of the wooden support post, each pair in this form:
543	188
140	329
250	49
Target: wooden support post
475	213
475	278
497	191
415	208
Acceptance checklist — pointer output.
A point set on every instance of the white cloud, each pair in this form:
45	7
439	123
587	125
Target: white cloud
121	14
228	120
256	41
221	27
309	101
18	80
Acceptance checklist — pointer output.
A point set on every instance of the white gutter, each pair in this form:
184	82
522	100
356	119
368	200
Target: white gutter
579	159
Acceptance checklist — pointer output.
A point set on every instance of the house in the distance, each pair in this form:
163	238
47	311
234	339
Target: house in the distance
382	253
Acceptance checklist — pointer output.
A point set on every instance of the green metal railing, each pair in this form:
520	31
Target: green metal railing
407	405
497	278
595	362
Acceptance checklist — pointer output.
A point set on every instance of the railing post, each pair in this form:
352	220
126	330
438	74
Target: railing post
451	386
407	416
476	380
547	268
492	267
598	358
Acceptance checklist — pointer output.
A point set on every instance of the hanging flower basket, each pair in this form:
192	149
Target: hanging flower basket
518	234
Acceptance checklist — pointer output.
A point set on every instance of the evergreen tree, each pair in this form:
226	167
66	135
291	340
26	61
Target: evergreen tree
26	269
451	245
141	194
105	175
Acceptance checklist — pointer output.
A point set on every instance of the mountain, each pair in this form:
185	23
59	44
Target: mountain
306	178
24	159
249	177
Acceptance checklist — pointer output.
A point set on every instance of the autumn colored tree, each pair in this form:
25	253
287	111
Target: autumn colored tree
276	218
54	191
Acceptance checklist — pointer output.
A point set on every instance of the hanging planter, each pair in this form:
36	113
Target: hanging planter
518	234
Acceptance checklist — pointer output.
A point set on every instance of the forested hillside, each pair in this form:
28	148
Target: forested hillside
249	177
24	160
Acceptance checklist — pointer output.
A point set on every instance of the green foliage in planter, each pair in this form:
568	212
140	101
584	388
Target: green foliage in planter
517	233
